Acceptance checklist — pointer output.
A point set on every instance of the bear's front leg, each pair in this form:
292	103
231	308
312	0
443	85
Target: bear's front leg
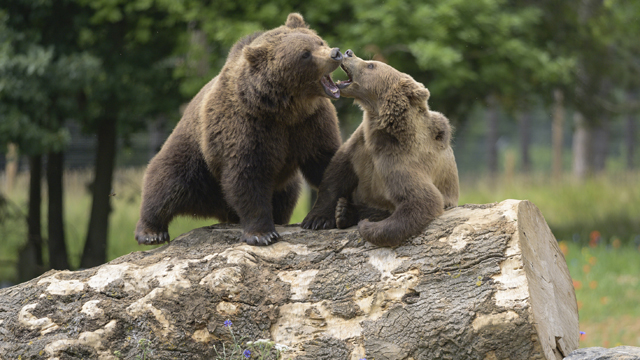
248	188
339	181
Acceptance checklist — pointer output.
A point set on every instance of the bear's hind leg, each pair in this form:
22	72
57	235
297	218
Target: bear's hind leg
422	204
175	184
349	214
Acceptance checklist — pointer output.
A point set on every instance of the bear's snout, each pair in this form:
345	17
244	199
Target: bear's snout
348	53
336	54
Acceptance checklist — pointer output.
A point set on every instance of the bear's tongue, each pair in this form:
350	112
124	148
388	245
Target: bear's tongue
330	87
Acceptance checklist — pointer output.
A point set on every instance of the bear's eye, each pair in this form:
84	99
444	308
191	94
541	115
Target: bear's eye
306	54
370	66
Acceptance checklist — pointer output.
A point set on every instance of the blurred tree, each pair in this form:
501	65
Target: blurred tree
602	36
491	139
135	41
463	51
41	75
524	126
630	139
557	133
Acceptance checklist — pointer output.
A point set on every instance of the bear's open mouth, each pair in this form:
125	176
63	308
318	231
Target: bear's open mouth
329	86
343	84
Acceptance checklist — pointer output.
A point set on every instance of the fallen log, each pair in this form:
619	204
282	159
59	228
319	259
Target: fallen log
481	282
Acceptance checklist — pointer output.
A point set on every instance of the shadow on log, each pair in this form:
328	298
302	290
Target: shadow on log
481	282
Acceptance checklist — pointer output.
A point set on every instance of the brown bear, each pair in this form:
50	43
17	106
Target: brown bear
397	172
238	151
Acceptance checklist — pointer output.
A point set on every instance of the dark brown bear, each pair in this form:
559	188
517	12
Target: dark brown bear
397	172
239	149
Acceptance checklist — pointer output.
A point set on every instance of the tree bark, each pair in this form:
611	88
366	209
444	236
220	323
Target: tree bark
481	282
34	213
95	247
557	133
492	136
524	122
581	147
57	247
30	262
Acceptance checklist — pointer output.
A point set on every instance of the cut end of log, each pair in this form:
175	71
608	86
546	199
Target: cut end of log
482	281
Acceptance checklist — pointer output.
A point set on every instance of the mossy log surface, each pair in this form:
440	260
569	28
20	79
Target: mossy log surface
481	282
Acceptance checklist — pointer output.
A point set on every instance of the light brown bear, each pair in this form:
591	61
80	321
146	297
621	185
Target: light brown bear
238	151
397	172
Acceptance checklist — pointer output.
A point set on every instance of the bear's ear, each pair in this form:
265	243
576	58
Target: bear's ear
295	20
415	91
396	103
256	54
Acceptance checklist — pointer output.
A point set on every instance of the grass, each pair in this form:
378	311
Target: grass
596	221
607	283
609	204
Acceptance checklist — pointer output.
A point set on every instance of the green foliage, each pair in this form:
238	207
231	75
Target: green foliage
462	51
135	41
239	349
600	36
38	86
143	344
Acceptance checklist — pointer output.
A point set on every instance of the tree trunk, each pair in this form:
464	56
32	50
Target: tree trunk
57	246
481	282
34	215
581	147
492	136
157	135
30	262
630	140
11	167
524	122
95	247
600	147
557	133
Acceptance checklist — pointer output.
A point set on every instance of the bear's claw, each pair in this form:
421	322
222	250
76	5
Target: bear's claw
261	239
146	238
318	222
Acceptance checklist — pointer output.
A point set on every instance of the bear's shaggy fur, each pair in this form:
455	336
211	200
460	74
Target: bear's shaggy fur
397	172
239	149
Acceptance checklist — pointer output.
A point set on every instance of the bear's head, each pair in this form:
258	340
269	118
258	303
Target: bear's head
394	97
291	61
379	87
